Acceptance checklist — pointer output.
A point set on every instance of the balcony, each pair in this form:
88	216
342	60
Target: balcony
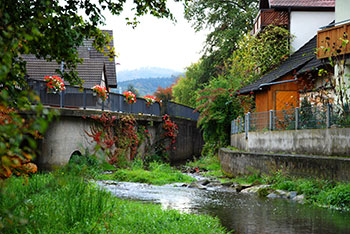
270	16
333	41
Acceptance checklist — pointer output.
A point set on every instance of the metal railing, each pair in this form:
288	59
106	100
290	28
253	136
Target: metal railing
175	109
309	117
73	97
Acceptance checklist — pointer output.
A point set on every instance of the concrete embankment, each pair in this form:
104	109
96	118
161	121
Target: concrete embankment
236	163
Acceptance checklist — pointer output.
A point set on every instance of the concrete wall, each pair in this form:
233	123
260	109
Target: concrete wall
236	163
305	24
331	142
68	134
189	141
342	10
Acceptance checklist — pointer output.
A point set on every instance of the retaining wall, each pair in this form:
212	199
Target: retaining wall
235	163
328	142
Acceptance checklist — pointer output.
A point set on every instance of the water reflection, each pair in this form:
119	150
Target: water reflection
239	212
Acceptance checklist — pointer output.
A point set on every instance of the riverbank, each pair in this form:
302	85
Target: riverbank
319	192
65	202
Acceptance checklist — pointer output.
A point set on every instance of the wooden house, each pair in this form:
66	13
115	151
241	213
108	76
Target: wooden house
297	77
283	87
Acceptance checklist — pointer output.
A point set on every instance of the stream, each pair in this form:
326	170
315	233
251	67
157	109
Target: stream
244	213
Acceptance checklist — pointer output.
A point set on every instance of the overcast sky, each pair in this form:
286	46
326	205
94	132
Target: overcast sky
155	42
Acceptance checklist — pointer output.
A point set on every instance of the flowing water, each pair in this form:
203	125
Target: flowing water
244	213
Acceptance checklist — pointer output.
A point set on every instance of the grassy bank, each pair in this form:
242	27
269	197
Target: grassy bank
319	192
156	173
64	203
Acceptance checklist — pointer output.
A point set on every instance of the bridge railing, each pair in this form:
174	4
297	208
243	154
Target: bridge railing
175	109
73	97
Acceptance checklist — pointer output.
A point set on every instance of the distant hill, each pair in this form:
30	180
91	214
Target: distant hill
147	86
146	72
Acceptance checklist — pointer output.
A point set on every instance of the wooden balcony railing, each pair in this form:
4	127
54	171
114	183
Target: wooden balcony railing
333	41
270	16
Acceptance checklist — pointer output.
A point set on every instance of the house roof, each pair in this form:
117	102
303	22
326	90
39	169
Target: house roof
301	61
297	4
90	70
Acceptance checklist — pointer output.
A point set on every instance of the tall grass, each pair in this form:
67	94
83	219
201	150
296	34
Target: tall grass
64	203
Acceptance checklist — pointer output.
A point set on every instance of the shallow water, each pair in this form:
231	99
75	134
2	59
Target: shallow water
243	213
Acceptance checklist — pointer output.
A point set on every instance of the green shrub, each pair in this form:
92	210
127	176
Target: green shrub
338	196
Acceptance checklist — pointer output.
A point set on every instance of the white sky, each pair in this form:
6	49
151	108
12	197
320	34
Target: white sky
155	42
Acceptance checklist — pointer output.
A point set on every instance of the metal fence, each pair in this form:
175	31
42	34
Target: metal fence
309	117
174	109
73	97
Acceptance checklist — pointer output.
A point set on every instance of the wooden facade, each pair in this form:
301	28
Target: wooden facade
278	96
331	41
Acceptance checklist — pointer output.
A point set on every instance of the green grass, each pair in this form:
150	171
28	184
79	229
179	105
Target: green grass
210	165
316	191
157	174
65	203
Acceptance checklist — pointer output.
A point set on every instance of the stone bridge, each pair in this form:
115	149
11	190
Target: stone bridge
67	135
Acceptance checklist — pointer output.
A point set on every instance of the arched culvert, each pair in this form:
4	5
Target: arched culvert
76	157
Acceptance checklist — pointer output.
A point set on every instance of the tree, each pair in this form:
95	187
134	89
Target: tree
52	30
164	94
228	21
185	88
219	102
132	89
184	91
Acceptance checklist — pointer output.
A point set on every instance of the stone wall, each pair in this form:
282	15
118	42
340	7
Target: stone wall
68	134
330	142
236	163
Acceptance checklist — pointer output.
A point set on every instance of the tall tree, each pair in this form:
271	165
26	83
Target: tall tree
227	21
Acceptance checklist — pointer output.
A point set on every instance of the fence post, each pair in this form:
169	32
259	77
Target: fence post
297	118
328	119
62	99
247	120
84	99
271	120
232	127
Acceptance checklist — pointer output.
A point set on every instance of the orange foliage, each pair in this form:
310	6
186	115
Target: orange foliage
10	162
164	94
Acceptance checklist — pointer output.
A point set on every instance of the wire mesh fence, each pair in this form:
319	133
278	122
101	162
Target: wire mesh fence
237	125
340	117
259	121
313	117
74	97
284	119
307	117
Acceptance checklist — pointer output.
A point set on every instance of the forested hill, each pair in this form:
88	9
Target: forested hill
147	85
146	72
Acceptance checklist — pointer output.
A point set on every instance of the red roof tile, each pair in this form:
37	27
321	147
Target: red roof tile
302	3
